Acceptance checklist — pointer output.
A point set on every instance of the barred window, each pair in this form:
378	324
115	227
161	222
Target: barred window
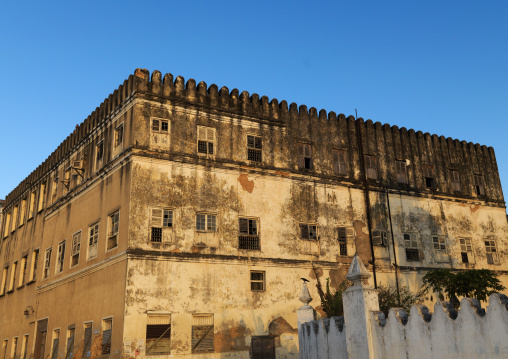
248	234
411	245
342	239
254	148
160	219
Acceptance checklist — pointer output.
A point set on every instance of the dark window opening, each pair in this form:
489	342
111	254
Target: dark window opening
156	234
254	148
304	156
412	254
465	258
308	231
248	234
257	281
158	339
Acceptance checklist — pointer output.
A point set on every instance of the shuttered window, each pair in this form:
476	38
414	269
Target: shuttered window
379	237
206	140
257	281
478	185
56	342
345	237
371	166
401	170
304	156
113	224
160	219
339	162
202	333
107	331
455	179
70	343
87	340
158	334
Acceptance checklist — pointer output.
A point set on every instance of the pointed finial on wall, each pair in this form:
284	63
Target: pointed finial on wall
357	271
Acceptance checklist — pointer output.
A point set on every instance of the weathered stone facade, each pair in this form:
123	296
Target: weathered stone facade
198	208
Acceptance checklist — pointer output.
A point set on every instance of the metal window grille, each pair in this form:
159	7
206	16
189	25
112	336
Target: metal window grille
304	156
257	281
92	241
47	262
490	247
371	166
202	333
60	257
248	234
107	327
439	243
342	239
76	245
254	148
411	245
156	235
339	162
455	179
478	185
308	231
206	139
263	347
158	335
401	169
466	250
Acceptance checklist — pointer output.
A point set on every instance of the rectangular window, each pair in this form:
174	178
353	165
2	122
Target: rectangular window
60	257
67	180
439	243
99	155
248	237
33	270
6	224
342	239
4	348
76	246
32	205
22	271
14	347
304	156
87	340
40	339
13	276
78	171
13	219
401	170
206	140
254	148
370	166
429	176
47	263
42	197
411	245
257	281
158	334
159	135
490	247
69	352
22	212
24	346
107	329
4	280
54	189
93	238
118	138
478	185
161	219
202	333
455	179
339	162
379	237
466	250
56	342
113	221
308	231
206	222
159	125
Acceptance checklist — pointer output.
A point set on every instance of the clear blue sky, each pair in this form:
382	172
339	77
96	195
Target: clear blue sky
435	66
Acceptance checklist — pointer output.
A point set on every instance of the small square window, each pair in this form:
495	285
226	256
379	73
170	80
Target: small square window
439	243
257	281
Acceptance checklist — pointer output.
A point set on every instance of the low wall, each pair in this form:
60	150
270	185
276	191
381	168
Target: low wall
470	332
324	339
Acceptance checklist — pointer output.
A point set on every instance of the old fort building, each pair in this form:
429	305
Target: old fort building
178	219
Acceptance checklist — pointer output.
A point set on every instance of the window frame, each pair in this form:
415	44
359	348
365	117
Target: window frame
304	156
468	252
99	160
305	228
339	167
87	345
33	265
42	196
5	279
209	153
105	348
491	249
479	185
55	336
118	137
429	176
164	336
258	281
12	280
411	247
211	328
22	270
254	150
60	257
73	248
207	216
371	166
95	243
248	236
401	172
111	225
455	180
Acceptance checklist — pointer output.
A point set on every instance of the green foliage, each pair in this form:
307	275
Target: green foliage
332	302
473	283
389	298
